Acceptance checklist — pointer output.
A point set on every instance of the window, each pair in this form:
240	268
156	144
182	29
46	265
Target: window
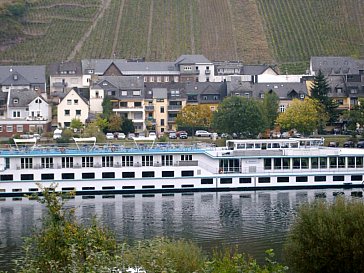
15	101
282	179
136	93
19	128
301	179
26	163
75	102
167	160
1	128
267	164
226	180
66	112
26	177
127	160
162	109
137	104
6	177
69	102
87	161
159	78
320	178
166	78
162	122
147	160
68	176
245	180
187	173
67	162
338	178
356	178
88	175
9	128
47	176
128	174
167	173
107	161
47	162
264	180
148	174
151	79
78	112
108	175
282	108
205	181
124	93
186	157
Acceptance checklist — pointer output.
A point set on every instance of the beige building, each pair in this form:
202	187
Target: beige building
72	106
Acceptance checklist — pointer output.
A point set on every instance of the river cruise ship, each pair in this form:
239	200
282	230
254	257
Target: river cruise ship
90	168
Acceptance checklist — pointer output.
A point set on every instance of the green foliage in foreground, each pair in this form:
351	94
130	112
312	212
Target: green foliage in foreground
62	245
327	238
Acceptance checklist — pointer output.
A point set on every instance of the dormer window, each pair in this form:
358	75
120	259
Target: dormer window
15	77
38	101
104	83
15	101
302	96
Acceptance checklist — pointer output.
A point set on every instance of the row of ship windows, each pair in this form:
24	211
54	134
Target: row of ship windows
205	181
313	162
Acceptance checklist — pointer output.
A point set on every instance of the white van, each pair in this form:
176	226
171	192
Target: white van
57	134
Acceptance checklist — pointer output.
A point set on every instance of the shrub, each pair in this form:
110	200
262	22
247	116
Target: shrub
327	238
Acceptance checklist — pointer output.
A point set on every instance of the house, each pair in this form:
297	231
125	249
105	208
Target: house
72	106
64	76
195	68
31	77
24	111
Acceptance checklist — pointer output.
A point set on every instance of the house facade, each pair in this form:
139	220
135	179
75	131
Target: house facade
64	76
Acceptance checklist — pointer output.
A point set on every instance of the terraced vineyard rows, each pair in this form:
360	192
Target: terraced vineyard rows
285	32
297	30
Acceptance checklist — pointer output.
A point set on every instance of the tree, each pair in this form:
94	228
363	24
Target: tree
92	129
102	123
355	116
304	116
107	108
270	107
76	124
319	91
327	237
194	116
115	122
239	115
128	126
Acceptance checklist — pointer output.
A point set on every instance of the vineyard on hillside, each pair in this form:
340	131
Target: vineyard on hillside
286	33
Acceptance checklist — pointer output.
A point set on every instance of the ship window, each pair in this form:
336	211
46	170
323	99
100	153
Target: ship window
67	162
148	174
47	176
321	178
88	175
283	179
304	163
286	163
148	187
341	162
226	180
26	177
128	187
147	160
87	161
359	162
88	188
108	175
264	180
108	188
356	178
26	163
107	161
187	186
245	180
167	160
186	157
267	163
128	174
47	162
68	176
167	186
296	163
314	162
187	173
6	177
338	178
333	162
301	179
33	189
351	162
323	162
167	173
277	163
207	181
127	160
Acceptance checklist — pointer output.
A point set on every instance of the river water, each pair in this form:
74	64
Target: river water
252	220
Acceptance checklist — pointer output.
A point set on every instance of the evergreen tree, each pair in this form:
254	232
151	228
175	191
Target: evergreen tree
127	126
107	108
319	91
270	108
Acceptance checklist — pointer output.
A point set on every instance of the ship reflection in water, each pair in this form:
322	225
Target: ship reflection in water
252	220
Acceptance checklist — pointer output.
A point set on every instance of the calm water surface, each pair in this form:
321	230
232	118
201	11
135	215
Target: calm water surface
252	220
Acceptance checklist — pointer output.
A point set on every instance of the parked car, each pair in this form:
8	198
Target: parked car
152	135
57	134
183	135
121	136
172	135
333	144
202	133
348	144
360	144
214	136
131	136
109	136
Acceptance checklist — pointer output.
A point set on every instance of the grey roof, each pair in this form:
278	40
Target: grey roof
254	69
169	86
159	93
100	65
205	87
121	82
4	96
34	74
56	68
24	97
282	90
238	86
336	65
192	59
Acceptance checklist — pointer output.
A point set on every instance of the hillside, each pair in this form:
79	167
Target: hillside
286	33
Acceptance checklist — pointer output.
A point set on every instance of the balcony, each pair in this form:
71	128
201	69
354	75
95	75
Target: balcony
33	118
171	119
60	84
174	107
149	108
128	109
190	72
207	72
151	120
